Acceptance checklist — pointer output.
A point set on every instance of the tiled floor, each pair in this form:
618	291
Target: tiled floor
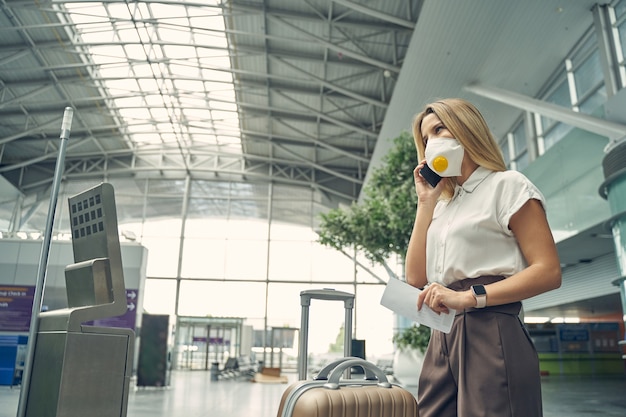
193	394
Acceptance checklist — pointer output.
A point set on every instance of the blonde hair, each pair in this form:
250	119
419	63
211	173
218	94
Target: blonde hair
467	126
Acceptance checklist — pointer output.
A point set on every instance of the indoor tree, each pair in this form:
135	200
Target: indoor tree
379	225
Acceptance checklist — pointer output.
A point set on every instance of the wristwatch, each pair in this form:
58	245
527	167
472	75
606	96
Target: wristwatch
480	294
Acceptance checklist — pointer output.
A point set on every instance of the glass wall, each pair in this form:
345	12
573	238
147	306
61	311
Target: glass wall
227	254
578	85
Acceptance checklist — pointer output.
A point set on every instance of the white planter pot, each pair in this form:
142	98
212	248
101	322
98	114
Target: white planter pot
407	365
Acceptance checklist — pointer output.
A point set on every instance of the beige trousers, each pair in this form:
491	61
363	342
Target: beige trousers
487	366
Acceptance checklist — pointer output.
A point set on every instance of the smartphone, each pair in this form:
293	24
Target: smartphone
430	176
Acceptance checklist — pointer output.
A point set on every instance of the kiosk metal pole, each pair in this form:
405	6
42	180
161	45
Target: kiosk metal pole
43	262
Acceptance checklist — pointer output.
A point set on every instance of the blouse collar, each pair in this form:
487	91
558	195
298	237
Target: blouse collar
474	180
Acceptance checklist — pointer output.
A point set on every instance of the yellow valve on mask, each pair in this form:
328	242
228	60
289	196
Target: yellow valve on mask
440	163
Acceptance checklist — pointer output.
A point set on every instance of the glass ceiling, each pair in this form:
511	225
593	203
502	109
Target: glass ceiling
166	68
274	99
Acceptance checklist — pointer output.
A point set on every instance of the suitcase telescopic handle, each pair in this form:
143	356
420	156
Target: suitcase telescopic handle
323	374
305	301
335	375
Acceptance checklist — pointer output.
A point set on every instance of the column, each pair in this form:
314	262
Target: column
613	189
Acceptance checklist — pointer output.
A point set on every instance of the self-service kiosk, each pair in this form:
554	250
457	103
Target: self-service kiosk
78	369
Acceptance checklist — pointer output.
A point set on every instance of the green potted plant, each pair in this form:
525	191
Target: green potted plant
414	337
380	225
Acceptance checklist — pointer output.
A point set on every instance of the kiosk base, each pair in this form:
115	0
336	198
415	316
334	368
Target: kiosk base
77	374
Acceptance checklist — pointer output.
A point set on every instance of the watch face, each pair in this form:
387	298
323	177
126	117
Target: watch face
479	290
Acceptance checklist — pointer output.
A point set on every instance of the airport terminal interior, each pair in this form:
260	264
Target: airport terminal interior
168	169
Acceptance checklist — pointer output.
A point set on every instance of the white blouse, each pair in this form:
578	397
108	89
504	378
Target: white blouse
469	235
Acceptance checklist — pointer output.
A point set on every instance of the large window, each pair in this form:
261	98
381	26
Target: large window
587	79
577	85
515	148
208	259
520	146
552	131
620	28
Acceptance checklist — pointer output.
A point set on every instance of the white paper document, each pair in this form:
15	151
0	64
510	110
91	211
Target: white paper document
401	298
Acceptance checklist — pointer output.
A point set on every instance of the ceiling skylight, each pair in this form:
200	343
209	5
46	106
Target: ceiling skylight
165	67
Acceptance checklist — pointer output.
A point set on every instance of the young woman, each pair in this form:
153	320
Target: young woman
480	244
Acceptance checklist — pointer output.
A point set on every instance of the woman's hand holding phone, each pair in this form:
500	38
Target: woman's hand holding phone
430	176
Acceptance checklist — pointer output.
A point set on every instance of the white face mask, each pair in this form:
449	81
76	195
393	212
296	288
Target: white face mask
445	156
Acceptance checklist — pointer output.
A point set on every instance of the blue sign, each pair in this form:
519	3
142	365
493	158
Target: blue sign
574	333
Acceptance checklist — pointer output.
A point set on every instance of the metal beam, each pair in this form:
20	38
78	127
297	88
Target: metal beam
376	13
14	56
583	121
346	52
206	173
202	155
19	100
291	15
34	130
308	113
333	86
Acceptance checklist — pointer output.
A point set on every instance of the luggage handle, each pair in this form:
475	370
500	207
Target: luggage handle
326	294
335	375
323	374
305	301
